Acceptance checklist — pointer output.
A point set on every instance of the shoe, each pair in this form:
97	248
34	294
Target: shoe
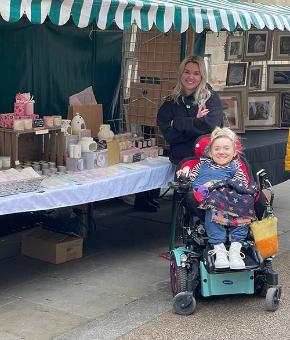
236	256
221	256
143	205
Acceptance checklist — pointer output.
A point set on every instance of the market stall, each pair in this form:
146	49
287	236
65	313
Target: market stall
80	149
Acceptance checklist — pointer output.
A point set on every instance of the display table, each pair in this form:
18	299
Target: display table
267	150
92	185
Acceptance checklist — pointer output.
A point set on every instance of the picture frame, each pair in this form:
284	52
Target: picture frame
232	107
236	74
262	111
234	48
285	109
278	76
257	45
281	45
255	75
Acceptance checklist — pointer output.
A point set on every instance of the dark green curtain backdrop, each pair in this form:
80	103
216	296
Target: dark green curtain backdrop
53	62
107	52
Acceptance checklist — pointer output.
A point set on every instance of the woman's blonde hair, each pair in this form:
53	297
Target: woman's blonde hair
202	93
224	132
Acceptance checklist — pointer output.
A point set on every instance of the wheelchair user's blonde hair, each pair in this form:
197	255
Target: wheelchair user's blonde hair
224	132
202	93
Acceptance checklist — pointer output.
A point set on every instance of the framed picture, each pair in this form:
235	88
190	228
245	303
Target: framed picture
278	76
257	45
232	104
234	48
255	74
285	109
281	48
263	111
236	74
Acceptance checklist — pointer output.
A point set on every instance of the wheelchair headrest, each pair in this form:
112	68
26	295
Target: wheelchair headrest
202	142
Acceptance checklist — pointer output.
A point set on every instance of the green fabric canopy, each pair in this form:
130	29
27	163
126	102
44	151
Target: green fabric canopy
201	14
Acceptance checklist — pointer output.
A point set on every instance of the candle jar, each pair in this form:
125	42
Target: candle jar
48	121
18	125
27	123
57	121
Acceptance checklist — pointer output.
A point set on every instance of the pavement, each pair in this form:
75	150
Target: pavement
120	288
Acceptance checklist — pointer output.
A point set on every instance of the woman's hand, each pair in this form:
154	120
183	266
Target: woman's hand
184	171
202	111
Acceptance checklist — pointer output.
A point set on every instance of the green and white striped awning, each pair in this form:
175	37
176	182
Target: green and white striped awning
200	14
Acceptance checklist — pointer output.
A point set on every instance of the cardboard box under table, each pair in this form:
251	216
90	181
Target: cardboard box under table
50	246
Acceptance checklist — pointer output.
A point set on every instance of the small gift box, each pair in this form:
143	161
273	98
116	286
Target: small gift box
6	120
24	104
19	109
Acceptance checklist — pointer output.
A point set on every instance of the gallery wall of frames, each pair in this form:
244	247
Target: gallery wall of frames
256	95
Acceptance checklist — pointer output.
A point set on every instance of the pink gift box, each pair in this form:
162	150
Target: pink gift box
26	116
29	108
19	108
6	120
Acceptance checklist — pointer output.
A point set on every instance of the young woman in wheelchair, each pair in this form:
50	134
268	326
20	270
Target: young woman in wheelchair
220	186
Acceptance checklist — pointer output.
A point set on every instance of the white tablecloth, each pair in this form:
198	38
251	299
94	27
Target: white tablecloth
149	174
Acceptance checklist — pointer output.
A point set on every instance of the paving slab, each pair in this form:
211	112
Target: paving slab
225	317
24	319
122	320
71	296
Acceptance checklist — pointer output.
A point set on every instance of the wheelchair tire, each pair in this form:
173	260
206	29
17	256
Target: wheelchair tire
184	303
273	298
178	277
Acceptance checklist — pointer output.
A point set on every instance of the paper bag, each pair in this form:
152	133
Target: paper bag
92	114
265	236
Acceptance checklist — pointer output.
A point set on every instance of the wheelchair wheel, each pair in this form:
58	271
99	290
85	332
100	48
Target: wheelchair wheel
184	303
178	277
273	298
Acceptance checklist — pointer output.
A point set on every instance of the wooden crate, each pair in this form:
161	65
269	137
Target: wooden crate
33	145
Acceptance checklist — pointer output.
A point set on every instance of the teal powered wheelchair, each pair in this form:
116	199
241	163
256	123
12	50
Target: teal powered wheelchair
192	270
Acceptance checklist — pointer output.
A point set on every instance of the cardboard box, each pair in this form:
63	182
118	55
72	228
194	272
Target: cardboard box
50	246
92	114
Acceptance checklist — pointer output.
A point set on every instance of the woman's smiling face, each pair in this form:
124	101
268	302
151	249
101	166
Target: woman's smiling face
190	78
222	151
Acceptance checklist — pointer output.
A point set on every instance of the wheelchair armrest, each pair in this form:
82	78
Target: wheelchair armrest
262	180
263	183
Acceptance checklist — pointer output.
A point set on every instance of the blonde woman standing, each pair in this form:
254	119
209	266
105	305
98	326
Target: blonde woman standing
193	109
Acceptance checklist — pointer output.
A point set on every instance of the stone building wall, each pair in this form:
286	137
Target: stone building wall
215	50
